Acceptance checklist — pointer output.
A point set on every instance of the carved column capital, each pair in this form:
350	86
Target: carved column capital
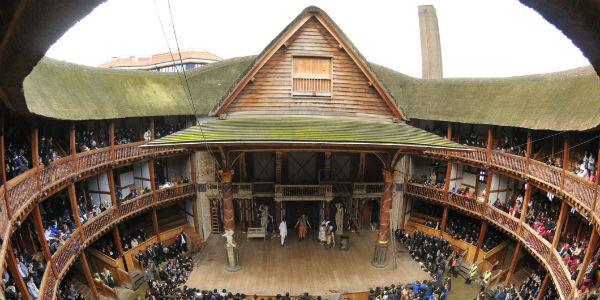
226	175
388	176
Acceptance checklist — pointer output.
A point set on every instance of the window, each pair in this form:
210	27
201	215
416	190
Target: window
311	76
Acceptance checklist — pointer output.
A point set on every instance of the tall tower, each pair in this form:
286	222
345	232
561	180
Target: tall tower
431	49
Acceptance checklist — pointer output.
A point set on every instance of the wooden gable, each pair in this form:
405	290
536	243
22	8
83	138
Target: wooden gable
273	86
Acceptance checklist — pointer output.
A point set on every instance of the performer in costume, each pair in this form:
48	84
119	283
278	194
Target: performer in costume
322	233
302	226
282	231
329	235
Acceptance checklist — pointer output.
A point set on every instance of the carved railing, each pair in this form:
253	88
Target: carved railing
367	189
94	228
242	190
49	285
534	242
263	189
510	162
544	173
292	192
584	191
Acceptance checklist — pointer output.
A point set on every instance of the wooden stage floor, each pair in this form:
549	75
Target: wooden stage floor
300	266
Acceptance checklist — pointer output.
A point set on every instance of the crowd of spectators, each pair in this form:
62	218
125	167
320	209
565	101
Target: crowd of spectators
68	291
107	246
155	254
529	289
16	159
572	251
474	140
58	221
463	228
163	130
31	269
512	206
89	140
105	277
587	168
47	151
431	181
134	192
514	145
542	214
133	239
125	136
88	212
492	239
427	289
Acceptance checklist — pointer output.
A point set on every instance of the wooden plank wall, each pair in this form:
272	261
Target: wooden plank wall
271	90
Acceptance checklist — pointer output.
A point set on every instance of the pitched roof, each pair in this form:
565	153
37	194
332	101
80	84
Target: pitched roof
322	17
306	130
162	59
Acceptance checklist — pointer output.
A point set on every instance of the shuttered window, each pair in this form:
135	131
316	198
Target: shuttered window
311	76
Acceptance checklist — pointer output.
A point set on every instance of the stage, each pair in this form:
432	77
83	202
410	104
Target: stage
300	266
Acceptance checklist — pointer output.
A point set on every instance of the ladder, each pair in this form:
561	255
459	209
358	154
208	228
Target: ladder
215	216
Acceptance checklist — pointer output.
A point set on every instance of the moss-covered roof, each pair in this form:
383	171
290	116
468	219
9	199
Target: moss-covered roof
567	100
309	130
62	90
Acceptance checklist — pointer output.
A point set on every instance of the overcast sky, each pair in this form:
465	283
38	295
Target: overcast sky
480	38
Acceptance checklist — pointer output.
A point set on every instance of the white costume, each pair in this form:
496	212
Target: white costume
322	232
282	231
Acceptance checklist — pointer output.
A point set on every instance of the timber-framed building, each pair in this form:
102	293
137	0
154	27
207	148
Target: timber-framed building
306	124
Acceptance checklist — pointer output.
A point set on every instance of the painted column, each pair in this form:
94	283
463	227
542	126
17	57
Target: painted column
564	210
379	257
233	264
513	262
482	232
205	173
544	288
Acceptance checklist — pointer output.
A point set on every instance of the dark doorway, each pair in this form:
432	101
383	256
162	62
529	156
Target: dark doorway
294	209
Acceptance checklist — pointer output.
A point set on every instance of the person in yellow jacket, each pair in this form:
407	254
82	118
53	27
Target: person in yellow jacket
472	273
487	276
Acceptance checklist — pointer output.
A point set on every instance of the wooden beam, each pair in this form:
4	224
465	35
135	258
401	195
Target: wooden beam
35	154
73	139
528	152
361	166
565	160
527	198
152	129
482	232
152	176
589	253
39	228
513	263
88	274
3	169
74	206
111	138
155	224
11	263
564	210
117	237
490	139
111	187
444	220
404	198
544	288
488	185
449	131
196	216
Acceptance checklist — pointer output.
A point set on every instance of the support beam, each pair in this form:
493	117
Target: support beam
444	220
490	140
226	175
194	181
155	224
74	206
528	192
482	232
152	128
528	152
564	210
117	237
544	288
88	274
361	166
327	168
379	257
565	159
3	170
152	177
39	228
35	154
589	253
488	185
449	131
111	187
513	263
111	138
11	264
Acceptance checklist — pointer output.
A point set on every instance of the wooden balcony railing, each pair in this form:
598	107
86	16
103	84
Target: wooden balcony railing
534	242
241	190
94	228
292	192
367	190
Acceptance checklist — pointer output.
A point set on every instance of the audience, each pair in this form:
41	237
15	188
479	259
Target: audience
16	160
88	140
542	214
125	136
68	291
47	152
163	130
463	228
31	269
58	221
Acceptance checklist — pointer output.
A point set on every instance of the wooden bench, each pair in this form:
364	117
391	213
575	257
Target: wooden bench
256	232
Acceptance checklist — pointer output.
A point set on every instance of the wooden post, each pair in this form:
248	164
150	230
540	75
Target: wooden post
152	177
564	210
448	179
482	232
565	160
111	187
39	228
111	138
404	199
88	275
444	220
35	154
528	192
327	168
449	131
361	166
155	224
544	288
488	185
3	169
117	237
589	253
490	139
528	152
194	181
152	129
74	206
73	145
11	263
379	257
513	263
227	192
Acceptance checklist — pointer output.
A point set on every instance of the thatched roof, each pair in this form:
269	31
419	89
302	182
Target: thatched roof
306	130
568	100
557	101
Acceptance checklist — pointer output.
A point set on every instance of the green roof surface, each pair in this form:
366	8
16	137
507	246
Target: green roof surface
292	129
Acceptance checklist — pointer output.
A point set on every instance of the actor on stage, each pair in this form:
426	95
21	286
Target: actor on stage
302	226
282	231
322	232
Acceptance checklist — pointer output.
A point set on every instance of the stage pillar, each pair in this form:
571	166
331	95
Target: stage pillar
229	223
379	256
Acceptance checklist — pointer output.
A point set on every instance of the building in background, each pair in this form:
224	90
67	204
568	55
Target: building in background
163	62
